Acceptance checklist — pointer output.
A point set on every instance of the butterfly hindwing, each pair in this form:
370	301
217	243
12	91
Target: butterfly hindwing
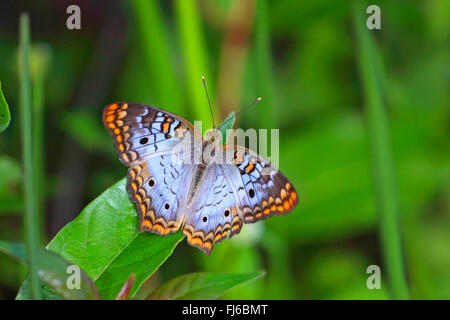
247	191
262	190
157	186
213	215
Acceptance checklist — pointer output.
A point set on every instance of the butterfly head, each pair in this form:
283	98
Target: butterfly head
212	136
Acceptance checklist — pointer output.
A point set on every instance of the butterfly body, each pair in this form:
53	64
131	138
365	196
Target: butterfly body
199	175
210	196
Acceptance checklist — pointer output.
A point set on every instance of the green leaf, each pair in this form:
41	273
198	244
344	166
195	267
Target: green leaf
228	124
201	285
104	241
11	199
10	176
5	116
53	270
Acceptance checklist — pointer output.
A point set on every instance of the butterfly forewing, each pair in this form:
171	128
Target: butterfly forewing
145	138
141	132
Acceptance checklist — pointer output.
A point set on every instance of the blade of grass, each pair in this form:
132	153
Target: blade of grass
268	118
238	19
154	39
39	61
280	281
265	84
382	160
31	215
195	60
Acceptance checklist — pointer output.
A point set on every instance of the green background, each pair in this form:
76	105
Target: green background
302	58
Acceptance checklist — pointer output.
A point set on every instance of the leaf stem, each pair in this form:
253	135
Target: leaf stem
39	61
31	214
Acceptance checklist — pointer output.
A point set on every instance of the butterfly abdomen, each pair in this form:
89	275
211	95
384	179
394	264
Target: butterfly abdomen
199	174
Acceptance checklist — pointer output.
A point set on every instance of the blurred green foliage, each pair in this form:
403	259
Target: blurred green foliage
300	55
53	271
5	116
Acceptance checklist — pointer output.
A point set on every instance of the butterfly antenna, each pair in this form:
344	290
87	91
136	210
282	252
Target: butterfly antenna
209	102
251	104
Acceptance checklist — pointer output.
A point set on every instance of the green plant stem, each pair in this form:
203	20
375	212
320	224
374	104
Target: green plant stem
268	118
31	214
38	146
382	161
154	39
195	60
265	85
39	64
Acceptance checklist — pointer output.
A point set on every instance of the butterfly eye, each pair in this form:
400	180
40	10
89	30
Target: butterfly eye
151	183
143	140
251	193
226	213
205	219
167	206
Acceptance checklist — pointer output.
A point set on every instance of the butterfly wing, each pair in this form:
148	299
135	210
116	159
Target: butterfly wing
141	132
145	138
157	186
213	213
261	189
247	191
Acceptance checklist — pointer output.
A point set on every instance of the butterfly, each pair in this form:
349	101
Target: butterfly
209	201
